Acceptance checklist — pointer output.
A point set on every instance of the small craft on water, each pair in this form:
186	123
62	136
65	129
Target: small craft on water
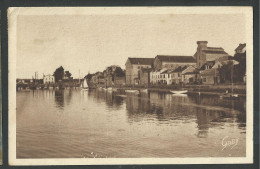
229	95
84	85
144	90
132	91
114	89
179	91
109	89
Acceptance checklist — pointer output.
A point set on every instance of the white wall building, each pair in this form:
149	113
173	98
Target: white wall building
48	79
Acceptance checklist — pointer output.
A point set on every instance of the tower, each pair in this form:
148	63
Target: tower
200	56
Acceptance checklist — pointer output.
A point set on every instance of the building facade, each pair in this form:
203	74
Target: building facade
205	53
133	67
48	79
172	62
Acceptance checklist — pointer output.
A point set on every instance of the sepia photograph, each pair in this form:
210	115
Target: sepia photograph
1	161
130	85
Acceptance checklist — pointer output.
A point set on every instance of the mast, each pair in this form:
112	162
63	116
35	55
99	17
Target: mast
232	77
79	76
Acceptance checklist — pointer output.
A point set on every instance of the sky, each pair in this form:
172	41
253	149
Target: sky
90	43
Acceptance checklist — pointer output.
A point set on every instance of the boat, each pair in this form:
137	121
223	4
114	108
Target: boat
229	95
144	90
179	91
84	85
131	91
114	89
109	89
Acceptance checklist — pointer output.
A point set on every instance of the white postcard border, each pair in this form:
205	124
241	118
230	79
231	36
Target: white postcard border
12	21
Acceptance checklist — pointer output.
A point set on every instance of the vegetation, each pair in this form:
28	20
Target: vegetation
88	76
227	74
59	74
68	74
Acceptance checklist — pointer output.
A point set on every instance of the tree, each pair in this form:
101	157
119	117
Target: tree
119	72
88	76
59	73
226	74
68	74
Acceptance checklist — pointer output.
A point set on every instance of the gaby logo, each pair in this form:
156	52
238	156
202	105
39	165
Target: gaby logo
229	142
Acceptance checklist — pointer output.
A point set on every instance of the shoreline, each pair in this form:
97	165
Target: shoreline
192	89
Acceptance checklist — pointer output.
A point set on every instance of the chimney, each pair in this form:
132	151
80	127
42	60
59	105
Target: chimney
200	56
202	44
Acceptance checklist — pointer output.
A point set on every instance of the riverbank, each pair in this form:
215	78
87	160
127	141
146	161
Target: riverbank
239	89
198	89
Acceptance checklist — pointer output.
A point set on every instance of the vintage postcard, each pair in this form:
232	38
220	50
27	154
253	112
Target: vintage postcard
1	160
130	85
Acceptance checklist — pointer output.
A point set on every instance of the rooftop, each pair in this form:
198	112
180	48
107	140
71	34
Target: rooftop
141	61
241	46
169	58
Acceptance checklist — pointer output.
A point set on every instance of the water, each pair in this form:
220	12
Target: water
102	124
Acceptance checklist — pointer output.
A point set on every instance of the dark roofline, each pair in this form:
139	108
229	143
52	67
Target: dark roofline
214	52
172	58
141	61
241	46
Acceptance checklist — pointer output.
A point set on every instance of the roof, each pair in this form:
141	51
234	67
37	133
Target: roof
191	73
146	69
241	46
141	61
210	64
168	58
180	69
214	51
215	48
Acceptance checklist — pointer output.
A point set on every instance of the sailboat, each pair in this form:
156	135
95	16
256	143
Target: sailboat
84	85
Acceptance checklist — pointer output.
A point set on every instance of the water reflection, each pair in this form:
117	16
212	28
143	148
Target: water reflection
76	123
59	98
206	111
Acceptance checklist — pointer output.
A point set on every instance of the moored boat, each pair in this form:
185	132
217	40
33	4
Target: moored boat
179	91
229	95
144	90
109	89
84	85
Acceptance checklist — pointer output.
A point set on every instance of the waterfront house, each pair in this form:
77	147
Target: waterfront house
241	48
24	81
240	56
209	74
162	76
133	66
144	76
191	77
114	75
48	79
205	53
178	75
172	62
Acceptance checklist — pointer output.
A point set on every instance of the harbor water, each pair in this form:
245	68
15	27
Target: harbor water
105	124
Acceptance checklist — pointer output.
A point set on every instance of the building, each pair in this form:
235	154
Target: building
191	77
144	76
114	75
173	62
209	73
205	53
48	79
133	66
179	74
162	76
24	81
241	48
